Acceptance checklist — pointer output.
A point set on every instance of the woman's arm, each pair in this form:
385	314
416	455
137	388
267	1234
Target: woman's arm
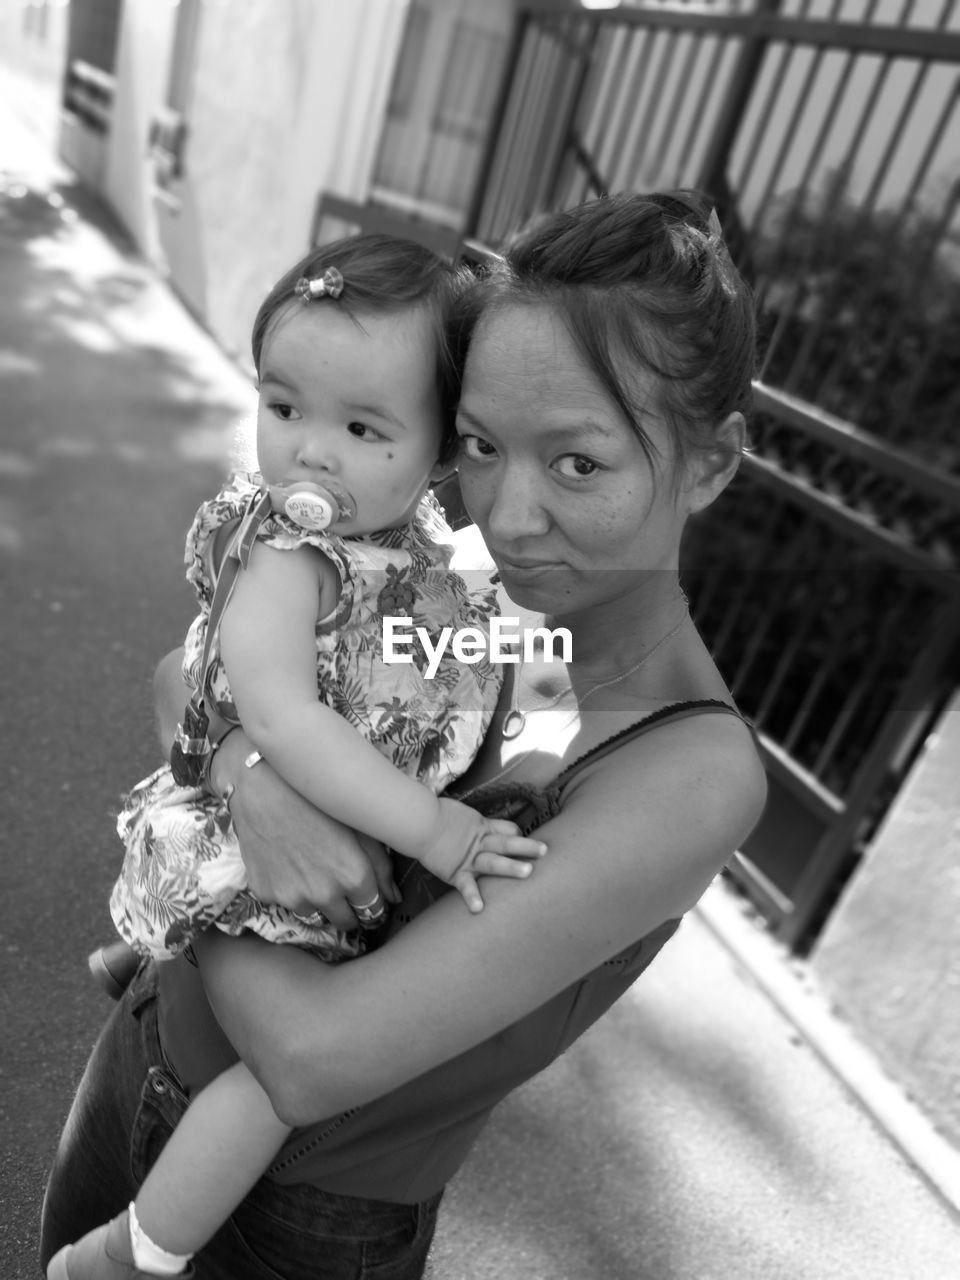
638	840
318	864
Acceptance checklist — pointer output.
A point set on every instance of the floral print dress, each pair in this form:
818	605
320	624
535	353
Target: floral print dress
182	870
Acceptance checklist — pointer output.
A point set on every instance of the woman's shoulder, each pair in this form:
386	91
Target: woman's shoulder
700	747
700	756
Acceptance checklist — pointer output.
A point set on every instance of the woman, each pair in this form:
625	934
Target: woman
607	374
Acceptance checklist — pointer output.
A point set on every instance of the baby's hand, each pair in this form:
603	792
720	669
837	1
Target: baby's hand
469	845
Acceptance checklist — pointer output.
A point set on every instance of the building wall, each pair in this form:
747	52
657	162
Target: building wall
285	100
94	25
889	957
33	39
32	53
140	68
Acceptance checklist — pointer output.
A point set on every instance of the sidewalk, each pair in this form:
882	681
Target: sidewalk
694	1134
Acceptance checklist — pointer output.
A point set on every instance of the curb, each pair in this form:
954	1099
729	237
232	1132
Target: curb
796	997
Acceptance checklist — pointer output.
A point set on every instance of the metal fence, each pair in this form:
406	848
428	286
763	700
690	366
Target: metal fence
825	132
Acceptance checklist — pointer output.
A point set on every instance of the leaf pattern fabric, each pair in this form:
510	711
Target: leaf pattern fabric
182	869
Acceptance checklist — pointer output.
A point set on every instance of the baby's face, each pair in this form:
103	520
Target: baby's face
351	404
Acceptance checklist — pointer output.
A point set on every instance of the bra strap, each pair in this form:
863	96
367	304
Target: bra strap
192	750
666	715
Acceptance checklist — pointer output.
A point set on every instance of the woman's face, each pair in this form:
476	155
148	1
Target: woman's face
569	505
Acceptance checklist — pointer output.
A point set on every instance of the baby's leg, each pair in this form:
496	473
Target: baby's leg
225	1141
222	1146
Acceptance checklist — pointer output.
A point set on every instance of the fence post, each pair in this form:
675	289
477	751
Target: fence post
583	55
713	173
472	223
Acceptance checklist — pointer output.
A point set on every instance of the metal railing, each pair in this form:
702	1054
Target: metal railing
827	581
826	145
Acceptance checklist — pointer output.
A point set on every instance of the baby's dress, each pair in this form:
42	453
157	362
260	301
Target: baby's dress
182	870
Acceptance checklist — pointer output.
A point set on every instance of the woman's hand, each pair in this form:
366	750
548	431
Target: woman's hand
295	855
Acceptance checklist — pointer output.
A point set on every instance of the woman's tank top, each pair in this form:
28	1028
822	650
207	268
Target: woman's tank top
407	1145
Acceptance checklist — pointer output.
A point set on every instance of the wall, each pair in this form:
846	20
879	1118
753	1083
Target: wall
33	39
141	70
285	99
889	957
32	57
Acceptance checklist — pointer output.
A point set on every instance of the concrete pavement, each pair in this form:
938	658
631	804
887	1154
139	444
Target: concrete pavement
694	1134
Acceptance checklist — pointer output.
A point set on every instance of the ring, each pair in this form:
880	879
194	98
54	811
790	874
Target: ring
313	919
368	906
369	913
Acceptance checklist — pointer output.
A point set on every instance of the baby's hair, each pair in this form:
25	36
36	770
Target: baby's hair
645	279
382	275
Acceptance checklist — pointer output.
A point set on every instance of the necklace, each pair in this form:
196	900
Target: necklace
515	720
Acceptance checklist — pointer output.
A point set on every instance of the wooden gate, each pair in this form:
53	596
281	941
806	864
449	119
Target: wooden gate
827	581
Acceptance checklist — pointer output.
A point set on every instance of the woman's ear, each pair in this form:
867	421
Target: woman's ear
711	470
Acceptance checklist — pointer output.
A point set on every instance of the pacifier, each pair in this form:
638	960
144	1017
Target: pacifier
312	506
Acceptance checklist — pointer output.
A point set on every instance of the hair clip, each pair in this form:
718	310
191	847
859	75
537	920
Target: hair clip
713	224
329	285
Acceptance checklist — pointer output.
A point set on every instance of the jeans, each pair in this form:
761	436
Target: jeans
126	1108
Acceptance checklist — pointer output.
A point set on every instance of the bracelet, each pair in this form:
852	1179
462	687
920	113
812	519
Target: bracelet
227	796
251	761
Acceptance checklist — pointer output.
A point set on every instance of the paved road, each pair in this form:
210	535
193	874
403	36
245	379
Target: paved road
690	1136
116	414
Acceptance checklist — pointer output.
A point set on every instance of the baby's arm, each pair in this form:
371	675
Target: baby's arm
269	651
